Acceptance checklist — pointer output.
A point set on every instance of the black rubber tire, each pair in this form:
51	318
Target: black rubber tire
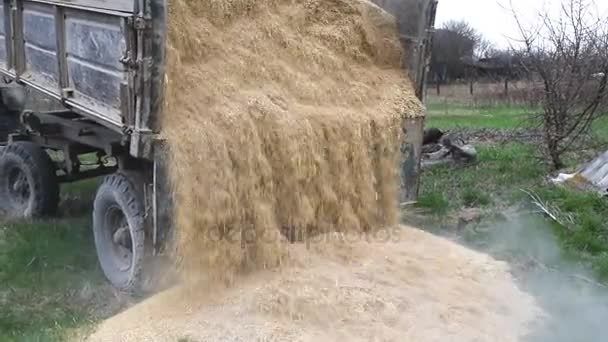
36	166
122	192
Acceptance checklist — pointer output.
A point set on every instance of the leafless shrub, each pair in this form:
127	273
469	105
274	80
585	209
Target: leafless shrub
569	55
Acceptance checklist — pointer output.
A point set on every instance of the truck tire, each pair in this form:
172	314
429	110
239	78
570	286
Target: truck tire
118	227
28	181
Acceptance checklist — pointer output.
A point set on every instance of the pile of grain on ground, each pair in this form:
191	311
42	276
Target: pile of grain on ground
402	285
280	114
288	113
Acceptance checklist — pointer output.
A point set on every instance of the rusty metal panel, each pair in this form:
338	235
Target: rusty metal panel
4	33
110	5
412	155
78	52
163	201
416	21
40	45
150	76
158	36
95	44
596	173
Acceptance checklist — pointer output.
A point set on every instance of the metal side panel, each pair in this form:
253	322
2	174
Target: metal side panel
103	59
110	5
40	46
412	156
81	53
4	62
416	22
95	44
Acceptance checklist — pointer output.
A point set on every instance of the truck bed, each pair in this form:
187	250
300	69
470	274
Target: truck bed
102	59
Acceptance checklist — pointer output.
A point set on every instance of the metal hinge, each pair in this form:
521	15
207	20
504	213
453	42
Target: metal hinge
140	23
127	60
143	67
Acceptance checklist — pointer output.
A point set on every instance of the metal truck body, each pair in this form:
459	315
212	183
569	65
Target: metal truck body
102	59
102	64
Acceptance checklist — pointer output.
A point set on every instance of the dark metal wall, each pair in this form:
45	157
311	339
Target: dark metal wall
416	22
74	52
412	154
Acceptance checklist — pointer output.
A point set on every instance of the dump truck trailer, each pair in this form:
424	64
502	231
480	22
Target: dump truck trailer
101	65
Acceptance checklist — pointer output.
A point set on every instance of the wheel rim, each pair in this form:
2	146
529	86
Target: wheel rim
119	234
18	187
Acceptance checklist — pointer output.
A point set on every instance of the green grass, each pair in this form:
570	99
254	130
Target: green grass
499	174
585	230
495	183
435	201
44	268
48	273
496	180
473	197
600	128
456	115
84	190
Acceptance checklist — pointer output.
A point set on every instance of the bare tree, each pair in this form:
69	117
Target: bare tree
462	29
485	49
453	44
569	54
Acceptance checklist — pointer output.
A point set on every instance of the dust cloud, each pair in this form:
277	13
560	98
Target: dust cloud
576	307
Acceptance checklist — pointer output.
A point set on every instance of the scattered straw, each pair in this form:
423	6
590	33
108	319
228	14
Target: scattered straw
415	287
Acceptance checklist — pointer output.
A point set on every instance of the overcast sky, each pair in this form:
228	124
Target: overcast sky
492	20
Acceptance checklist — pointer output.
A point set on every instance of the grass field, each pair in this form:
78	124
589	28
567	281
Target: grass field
495	183
50	281
493	179
459	115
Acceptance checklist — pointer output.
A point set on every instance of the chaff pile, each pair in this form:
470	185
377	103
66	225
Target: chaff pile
280	114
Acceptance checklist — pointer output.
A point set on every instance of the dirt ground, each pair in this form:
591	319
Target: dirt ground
401	285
